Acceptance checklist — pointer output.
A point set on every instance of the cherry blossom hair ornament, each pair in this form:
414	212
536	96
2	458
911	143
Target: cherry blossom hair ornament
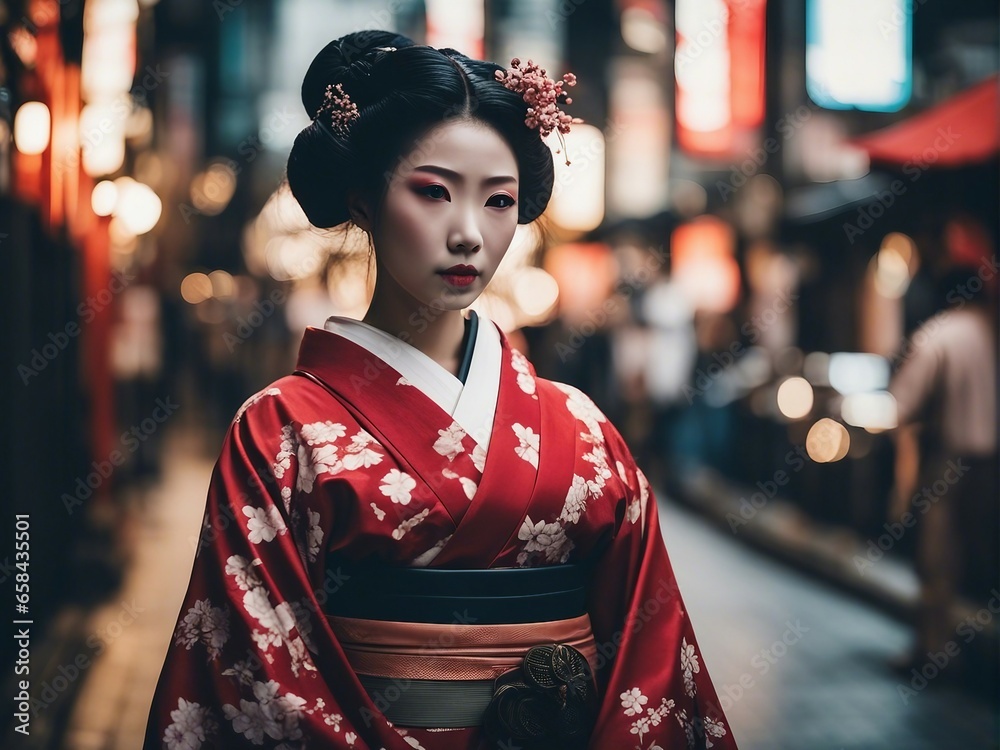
542	94
338	112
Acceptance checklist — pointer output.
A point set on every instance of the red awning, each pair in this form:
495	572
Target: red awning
961	130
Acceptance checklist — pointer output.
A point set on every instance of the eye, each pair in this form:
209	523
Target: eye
505	200
436	192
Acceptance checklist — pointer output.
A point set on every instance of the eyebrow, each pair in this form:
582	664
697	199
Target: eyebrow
456	177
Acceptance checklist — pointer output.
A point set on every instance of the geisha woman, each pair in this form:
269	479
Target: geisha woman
413	541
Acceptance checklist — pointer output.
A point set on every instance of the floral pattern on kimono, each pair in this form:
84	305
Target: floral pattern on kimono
342	461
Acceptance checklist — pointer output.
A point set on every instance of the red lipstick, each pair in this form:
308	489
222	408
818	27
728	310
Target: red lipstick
460	275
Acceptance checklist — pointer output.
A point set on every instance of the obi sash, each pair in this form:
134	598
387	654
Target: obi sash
435	647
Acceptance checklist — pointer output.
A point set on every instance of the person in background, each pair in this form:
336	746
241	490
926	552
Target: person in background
946	460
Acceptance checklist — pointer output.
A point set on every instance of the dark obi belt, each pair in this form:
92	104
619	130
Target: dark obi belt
510	650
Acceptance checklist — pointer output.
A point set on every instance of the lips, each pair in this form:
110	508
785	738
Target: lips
461	270
460	275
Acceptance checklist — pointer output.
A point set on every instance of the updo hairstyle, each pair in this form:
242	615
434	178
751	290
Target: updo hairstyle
400	94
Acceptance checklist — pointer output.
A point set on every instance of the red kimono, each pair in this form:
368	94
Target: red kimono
355	460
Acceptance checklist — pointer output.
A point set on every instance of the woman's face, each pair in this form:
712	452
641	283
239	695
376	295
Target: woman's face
452	201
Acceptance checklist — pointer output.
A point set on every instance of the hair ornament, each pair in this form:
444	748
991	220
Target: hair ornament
542	95
338	109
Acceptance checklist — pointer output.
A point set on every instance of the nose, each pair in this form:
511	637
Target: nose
465	235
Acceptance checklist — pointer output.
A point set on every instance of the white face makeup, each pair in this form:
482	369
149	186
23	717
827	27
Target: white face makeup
448	217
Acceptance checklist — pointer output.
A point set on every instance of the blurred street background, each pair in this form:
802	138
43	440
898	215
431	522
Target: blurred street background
772	263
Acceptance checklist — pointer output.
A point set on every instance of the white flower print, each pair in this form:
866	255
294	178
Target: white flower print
258	606
689	657
414	742
323	432
632	701
632	704
397	485
689	687
689	665
326	454
526	383
525	380
469	486
192	725
640	726
583	408
326	459
242	570
275	715
576	500
286	498
400	531
333	720
379	513
549	538
449	444
403	381
287	449
656	715
633	510
713	729
264	524
479	458
360	453
529	439
621	471
351	738
599	458
637	507
204	624
253	400
278	621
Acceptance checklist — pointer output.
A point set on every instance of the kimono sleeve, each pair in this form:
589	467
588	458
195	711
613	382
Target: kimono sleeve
655	688
252	661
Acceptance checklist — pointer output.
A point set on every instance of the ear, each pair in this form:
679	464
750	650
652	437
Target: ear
359	210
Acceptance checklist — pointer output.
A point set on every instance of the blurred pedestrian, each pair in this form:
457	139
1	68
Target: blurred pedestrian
946	468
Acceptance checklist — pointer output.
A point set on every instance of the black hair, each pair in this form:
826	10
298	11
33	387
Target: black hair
400	94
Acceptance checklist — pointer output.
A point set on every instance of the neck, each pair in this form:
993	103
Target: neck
436	333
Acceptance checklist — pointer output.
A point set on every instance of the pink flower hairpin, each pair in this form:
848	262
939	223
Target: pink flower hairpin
542	96
341	112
